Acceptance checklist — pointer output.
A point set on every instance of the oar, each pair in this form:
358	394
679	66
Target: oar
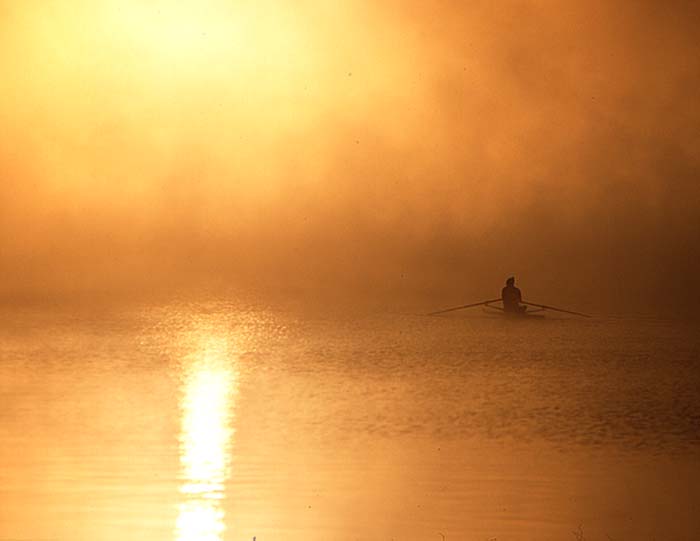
461	307
545	307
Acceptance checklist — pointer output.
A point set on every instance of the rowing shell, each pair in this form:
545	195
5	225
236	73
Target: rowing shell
531	314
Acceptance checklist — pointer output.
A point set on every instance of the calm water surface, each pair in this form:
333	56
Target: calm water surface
224	421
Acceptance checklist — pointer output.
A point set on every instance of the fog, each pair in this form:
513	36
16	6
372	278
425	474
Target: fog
387	150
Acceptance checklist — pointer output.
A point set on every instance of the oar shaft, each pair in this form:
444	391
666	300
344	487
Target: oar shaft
462	307
555	309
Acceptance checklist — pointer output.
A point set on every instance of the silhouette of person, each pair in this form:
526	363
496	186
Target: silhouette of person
511	297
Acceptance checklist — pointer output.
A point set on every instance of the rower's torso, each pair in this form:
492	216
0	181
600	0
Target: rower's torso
511	297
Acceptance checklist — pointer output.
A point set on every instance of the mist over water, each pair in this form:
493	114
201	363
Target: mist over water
391	149
220	221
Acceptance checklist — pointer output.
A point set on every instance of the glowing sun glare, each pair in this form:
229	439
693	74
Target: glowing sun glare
205	443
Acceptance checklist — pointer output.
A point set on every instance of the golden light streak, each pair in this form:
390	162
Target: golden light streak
205	441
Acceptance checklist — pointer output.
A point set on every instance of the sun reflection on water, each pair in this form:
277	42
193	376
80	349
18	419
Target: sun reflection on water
209	387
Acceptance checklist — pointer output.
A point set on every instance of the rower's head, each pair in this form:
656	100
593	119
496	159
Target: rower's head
510	281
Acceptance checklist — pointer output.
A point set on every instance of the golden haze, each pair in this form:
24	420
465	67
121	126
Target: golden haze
383	147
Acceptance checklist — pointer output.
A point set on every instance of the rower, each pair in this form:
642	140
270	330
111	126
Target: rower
511	297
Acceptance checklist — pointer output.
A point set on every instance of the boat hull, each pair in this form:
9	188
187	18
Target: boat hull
513	315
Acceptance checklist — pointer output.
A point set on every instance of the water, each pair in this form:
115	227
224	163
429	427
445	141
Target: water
223	421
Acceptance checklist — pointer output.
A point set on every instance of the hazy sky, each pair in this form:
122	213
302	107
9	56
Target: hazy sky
383	147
